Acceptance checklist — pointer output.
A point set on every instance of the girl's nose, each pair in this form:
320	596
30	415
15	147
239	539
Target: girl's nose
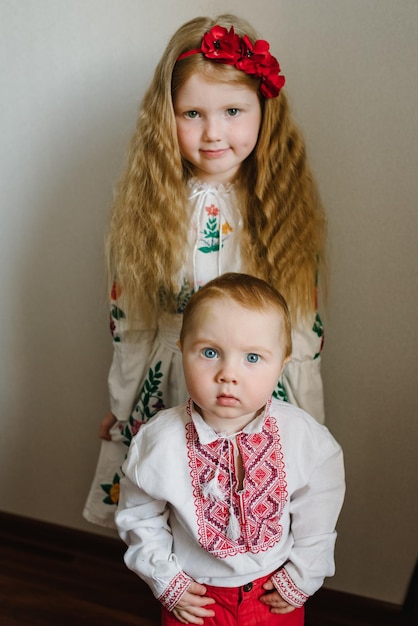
212	130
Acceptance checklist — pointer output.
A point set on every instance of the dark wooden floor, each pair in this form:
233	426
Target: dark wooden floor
51	576
56	587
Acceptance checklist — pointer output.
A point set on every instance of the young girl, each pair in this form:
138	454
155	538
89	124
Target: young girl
216	181
230	500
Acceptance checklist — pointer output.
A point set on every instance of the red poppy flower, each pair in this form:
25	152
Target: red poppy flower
259	62
271	85
222	45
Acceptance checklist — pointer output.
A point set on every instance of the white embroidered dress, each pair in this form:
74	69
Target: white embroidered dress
146	372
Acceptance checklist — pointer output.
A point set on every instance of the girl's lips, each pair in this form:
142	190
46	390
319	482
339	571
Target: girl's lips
214	154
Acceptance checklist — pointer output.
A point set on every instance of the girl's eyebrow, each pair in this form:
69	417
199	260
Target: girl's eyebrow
236	102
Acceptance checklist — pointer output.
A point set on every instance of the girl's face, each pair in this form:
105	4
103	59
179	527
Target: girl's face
217	126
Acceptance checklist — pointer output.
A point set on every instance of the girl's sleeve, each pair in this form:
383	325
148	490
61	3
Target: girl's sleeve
314	511
302	379
142	523
132	345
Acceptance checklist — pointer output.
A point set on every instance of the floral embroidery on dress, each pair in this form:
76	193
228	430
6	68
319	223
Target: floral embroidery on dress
211	234
318	329
184	295
226	229
149	403
116	312
112	490
280	392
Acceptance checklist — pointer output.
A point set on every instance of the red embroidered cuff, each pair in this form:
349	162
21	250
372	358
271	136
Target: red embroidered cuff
177	586
287	588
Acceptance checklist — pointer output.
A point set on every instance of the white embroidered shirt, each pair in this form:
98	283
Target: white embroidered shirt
287	506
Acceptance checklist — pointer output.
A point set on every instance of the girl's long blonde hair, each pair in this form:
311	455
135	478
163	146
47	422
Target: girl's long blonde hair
284	223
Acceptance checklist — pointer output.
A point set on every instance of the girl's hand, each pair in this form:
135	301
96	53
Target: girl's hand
190	608
274	600
104	429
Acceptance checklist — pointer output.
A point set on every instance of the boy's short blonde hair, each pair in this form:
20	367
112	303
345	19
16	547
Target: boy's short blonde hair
249	291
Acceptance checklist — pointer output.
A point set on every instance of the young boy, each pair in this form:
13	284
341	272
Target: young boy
229	502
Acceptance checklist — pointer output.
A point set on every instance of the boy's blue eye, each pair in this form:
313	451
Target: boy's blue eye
210	353
233	112
253	358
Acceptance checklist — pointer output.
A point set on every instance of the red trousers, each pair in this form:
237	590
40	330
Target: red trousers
240	606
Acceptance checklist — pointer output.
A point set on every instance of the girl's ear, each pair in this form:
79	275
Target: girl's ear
180	347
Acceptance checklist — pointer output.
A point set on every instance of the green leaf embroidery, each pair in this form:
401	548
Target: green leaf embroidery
207	249
149	403
318	327
184	296
117	313
211	236
280	392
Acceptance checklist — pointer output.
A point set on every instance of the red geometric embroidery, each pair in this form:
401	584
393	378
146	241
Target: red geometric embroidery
259	505
287	588
177	586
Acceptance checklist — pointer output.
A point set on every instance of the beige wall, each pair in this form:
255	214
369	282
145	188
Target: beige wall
71	76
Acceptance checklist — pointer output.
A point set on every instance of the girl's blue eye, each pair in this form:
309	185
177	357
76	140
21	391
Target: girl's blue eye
192	114
210	353
232	112
253	358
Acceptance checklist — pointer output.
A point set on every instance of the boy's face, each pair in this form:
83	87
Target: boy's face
232	360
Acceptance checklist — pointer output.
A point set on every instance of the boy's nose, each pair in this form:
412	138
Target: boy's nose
227	375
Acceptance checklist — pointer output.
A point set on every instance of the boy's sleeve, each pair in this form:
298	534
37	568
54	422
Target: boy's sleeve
314	512
142	523
302	379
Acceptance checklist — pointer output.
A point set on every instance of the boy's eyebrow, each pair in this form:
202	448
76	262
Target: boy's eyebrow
203	341
247	349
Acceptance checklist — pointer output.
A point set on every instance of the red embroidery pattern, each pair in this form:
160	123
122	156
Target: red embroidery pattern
287	588
258	506
174	591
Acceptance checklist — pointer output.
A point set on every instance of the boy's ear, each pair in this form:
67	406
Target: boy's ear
285	362
180	347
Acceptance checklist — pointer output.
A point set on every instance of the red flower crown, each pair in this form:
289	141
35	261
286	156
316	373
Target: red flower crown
254	59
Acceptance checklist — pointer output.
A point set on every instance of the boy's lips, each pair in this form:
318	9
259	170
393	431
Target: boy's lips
225	399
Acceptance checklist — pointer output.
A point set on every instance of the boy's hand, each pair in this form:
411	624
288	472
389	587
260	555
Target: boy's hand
274	600
190	608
